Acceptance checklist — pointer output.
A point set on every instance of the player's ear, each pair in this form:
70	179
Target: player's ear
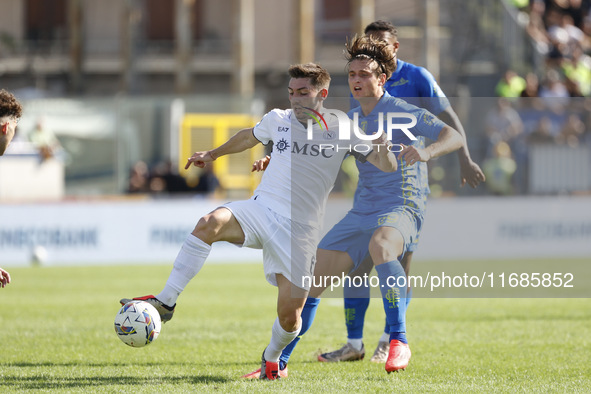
5	128
324	93
382	79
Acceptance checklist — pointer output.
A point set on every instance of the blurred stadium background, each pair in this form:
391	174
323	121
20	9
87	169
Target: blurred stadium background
118	93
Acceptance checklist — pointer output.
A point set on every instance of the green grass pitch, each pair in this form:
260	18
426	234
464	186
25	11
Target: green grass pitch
56	334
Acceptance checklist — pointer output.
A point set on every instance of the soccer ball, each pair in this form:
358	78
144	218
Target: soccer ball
137	324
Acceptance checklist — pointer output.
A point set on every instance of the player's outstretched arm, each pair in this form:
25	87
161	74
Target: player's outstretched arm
4	277
239	142
448	141
381	157
470	172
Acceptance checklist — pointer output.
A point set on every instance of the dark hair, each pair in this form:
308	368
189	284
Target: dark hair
367	47
382	26
319	77
9	105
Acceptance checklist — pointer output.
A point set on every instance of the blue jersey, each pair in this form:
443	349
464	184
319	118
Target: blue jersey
416	86
380	191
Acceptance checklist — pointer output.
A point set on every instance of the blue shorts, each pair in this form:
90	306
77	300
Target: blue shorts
412	247
353	233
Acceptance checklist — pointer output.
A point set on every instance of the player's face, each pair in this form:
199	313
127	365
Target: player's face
364	80
387	37
303	95
7	130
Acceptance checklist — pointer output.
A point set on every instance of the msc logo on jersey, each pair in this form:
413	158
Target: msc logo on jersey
324	150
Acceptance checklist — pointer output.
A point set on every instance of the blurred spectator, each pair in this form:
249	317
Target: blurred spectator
532	86
578	70
502	123
499	170
566	32
45	140
175	183
542	134
164	179
553	87
156	184
536	27
511	85
572	131
208	182
138	178
587	30
572	87
578	9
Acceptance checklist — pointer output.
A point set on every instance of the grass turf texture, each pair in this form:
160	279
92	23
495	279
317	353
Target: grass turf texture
57	335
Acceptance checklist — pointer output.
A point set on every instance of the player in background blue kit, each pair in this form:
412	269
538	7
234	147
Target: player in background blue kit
387	211
417	86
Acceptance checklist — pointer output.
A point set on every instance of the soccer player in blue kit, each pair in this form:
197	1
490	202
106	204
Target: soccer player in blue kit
417	86
387	210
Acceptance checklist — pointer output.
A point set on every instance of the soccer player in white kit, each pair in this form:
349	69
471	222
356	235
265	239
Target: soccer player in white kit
284	214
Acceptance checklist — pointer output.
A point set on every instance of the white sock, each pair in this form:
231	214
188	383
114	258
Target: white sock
188	263
279	340
385	337
356	343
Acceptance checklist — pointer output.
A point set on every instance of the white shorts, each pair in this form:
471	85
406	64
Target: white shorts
289	248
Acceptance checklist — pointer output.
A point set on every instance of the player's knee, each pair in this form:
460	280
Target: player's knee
289	321
382	250
207	228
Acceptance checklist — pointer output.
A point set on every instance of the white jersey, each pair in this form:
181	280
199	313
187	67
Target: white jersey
302	171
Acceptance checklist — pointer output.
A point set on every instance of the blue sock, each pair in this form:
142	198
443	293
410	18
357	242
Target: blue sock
356	304
393	297
308	314
408	296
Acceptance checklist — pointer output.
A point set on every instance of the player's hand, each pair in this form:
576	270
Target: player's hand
411	154
470	173
261	164
4	277
199	159
381	141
